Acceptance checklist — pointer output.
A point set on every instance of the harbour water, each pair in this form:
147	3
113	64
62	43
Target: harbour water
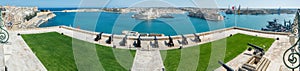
108	22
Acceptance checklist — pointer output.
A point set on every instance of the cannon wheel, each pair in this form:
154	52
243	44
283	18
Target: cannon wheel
4	36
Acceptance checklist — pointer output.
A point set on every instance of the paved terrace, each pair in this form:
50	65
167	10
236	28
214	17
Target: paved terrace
19	56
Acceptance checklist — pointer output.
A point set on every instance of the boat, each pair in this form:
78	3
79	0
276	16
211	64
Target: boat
276	27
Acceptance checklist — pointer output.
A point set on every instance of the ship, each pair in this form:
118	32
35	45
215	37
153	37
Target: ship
276	27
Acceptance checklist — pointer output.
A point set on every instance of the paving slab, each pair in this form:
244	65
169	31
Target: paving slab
147	60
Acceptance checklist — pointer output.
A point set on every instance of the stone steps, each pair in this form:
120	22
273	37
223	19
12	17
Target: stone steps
263	64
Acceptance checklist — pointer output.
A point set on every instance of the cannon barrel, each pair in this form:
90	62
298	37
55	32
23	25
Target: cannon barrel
170	38
110	39
197	38
98	37
256	47
139	41
183	37
125	38
225	66
196	35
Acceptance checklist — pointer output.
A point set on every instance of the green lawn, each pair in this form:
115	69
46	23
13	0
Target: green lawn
235	46
62	53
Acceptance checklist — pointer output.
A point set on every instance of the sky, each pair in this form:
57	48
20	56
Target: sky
155	3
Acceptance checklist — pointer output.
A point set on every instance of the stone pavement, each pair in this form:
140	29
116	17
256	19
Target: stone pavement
19	56
274	53
147	60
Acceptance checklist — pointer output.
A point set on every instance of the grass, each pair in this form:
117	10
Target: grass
235	45
62	53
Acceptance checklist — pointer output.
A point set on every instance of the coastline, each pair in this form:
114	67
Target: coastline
41	18
35	21
52	15
16	17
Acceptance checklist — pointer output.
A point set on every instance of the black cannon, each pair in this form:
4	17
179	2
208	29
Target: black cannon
170	43
155	42
225	66
197	38
98	36
110	39
138	42
124	41
257	49
184	40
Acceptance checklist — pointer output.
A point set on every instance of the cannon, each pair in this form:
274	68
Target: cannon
110	39
197	38
257	49
98	36
124	41
184	40
155	42
170	43
138	42
225	66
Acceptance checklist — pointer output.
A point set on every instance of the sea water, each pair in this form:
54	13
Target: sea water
109	22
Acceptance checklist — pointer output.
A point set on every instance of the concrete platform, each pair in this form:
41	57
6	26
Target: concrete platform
19	56
147	60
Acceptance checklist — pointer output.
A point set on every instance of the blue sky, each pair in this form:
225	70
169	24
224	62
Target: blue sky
155	3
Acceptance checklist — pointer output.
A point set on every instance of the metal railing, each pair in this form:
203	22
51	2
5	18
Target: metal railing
291	56
4	36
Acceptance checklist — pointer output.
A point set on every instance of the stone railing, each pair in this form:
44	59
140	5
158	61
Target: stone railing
176	36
